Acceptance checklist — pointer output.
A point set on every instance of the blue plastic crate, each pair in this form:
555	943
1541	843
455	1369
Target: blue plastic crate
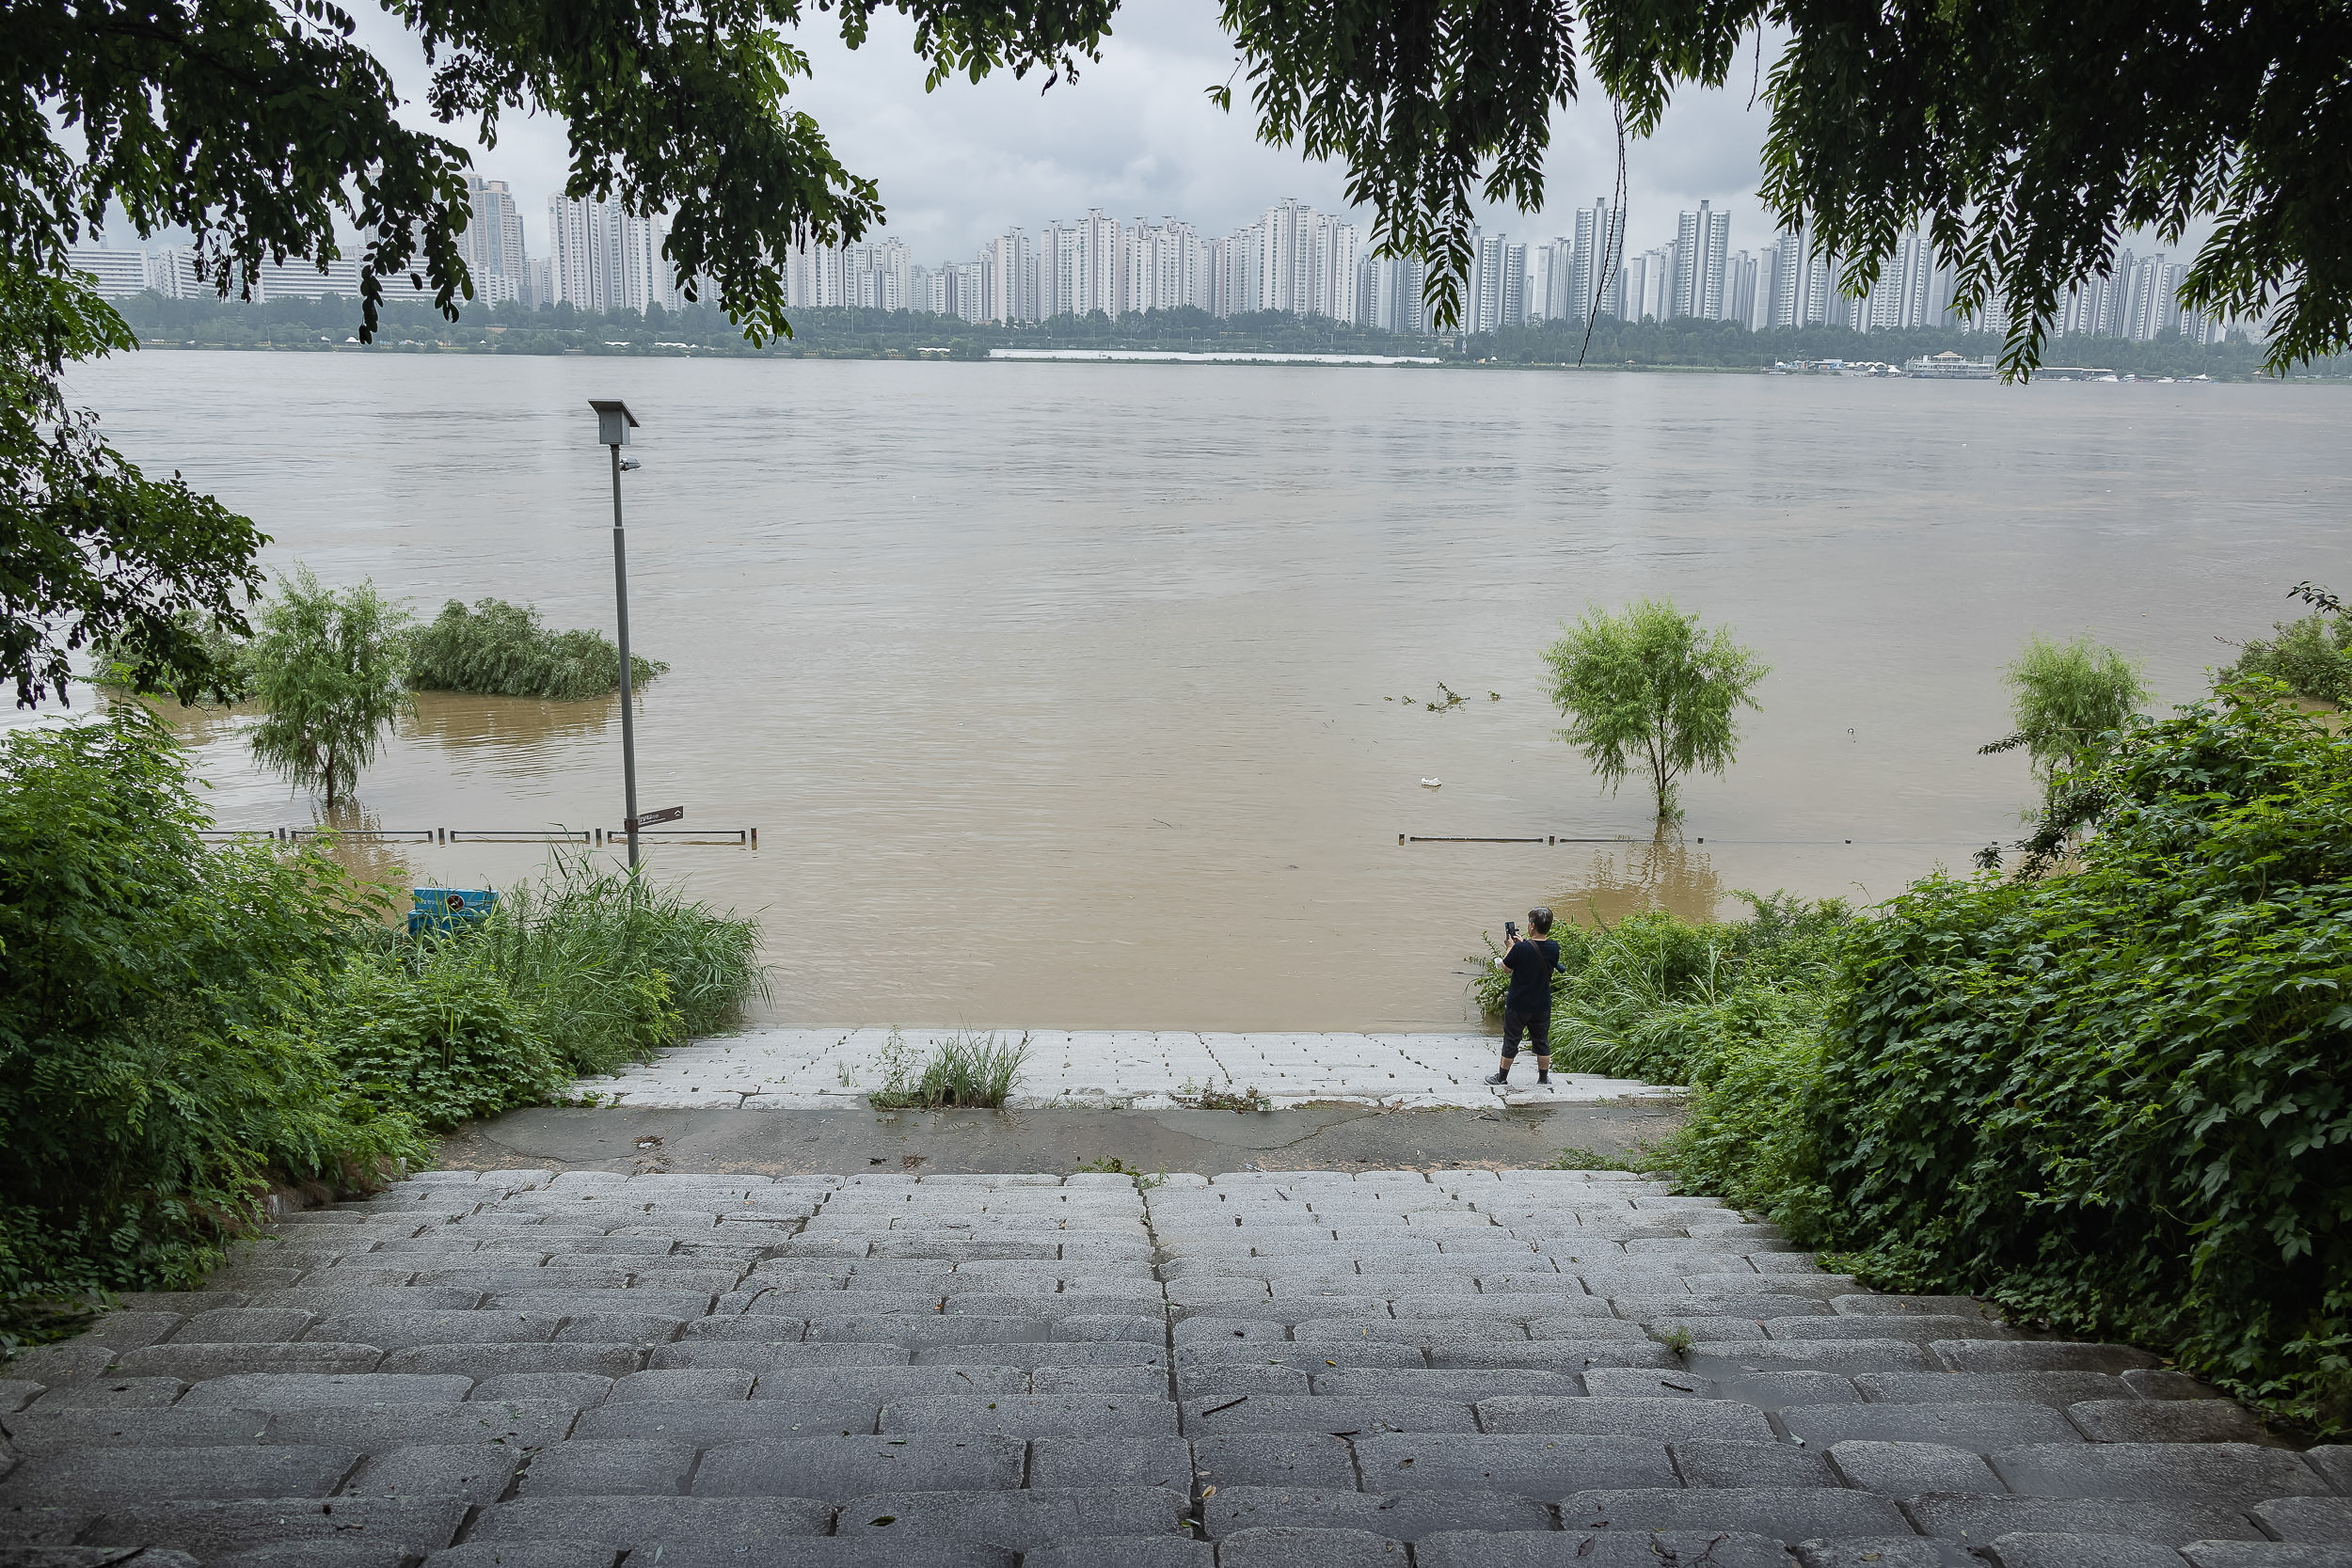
444	908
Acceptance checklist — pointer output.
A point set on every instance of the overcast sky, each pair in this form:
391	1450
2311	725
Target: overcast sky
1136	137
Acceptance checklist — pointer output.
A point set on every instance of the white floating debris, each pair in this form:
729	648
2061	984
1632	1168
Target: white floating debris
1433	783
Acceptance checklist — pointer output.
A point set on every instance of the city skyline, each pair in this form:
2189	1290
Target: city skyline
1293	259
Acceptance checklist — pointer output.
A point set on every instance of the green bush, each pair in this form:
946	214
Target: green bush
157	1068
502	650
613	970
2313	656
430	1027
2115	1099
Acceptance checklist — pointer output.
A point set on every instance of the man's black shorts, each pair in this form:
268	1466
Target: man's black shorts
1535	1026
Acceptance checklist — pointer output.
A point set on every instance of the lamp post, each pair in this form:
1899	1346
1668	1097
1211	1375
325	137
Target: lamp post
613	424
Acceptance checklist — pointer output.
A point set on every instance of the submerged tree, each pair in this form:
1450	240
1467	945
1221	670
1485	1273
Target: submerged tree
1649	691
329	667
2070	700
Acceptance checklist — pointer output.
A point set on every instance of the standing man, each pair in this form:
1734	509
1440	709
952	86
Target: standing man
1533	960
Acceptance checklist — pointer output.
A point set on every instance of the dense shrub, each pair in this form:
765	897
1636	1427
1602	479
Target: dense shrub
156	1064
2313	656
503	650
432	1028
2115	1099
615	970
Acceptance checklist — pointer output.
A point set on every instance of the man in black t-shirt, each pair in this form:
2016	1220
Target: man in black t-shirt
1533	960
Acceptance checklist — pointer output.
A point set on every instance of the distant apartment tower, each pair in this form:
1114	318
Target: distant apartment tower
603	257
492	244
1389	294
1701	248
1594	259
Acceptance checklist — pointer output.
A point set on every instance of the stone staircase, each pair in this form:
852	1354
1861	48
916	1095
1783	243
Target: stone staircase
1458	1370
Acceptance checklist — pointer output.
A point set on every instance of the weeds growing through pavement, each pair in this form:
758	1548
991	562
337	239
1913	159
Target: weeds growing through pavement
968	1071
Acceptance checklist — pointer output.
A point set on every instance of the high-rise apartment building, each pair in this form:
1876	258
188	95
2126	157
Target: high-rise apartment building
1511	307
492	243
1695	280
603	257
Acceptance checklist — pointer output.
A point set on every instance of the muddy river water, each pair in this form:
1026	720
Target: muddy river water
1071	695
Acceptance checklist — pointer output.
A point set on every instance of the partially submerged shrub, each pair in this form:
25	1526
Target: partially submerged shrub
503	650
2313	657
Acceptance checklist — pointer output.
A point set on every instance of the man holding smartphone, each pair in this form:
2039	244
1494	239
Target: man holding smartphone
1533	960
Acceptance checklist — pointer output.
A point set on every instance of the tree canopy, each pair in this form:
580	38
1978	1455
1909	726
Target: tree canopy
1651	691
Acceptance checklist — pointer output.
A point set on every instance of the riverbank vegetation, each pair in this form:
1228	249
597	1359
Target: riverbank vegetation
504	650
2108	1092
183	1024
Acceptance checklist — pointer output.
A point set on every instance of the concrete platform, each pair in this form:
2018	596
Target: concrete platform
805	1068
1310	1369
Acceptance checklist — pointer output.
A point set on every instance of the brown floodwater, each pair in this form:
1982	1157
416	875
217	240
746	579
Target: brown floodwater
1072	695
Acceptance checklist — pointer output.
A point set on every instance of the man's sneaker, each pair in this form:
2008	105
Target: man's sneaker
1497	1079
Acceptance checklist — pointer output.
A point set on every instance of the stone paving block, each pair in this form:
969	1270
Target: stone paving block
16	1393
1917	1330
629	1522
1066	1461
2265	1554
1467	1383
2035	1356
603	1306
1096	1380
398	1330
316	1554
1017	1521
130	1329
881	1385
2231	1474
186	1303
1124	1551
865	1552
212	1530
1979	1520
709	1425
378	1428
2056	1389
1842	1356
1784	1514
1273	1459
1191	1332
677	1383
1979	1426
2168	1384
1712	1548
526	1554
2145	1421
1051	1353
309	1390
1101	1415
1714	1463
1523	1465
1402	1515
1286	1546
931	1330
197	1362
1885	1551
1309	1359
2326	1521
2025	1549
840	1468
41	1429
478	1472
231	1325
65	1478
1906	1469
751	1328
483	1360
2334	1462
753	1357
598	1467
1867	1304
1666	1421
327	1300
1335	1413
119	1393
579	1390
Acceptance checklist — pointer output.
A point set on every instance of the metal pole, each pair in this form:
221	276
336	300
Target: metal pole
629	725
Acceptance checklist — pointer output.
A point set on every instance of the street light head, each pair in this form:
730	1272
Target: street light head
629	465
614	421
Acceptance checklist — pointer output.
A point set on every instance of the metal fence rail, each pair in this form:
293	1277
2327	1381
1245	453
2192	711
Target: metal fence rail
747	838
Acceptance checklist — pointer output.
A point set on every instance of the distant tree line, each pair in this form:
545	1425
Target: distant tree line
329	324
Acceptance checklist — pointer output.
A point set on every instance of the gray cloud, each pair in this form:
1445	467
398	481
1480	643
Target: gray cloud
1137	136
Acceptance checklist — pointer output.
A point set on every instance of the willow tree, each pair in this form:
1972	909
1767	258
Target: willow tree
1649	691
327	665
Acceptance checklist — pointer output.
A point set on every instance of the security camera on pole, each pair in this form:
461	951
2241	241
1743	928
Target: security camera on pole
613	424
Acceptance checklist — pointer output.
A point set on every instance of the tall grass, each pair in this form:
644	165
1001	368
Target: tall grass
968	1071
503	650
615	968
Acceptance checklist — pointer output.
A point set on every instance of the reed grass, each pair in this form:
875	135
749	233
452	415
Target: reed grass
616	967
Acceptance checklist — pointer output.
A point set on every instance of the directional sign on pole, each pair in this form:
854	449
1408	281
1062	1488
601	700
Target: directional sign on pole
646	819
